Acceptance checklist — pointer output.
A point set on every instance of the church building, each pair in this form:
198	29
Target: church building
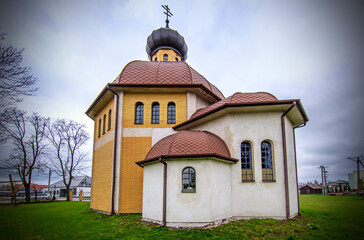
169	145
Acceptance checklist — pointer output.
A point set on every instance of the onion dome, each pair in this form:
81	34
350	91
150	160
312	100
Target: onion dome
175	74
166	38
189	144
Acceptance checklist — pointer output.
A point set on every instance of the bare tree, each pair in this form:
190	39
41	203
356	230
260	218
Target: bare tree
15	81
67	138
28	137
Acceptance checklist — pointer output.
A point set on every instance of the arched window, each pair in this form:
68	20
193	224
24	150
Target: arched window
267	163
171	112
104	125
188	180
165	58
99	127
155	112
155	59
109	121
139	113
246	162
176	59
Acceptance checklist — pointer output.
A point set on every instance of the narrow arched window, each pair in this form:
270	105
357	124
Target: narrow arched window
99	127
155	112
165	58
171	112
109	121
176	59
267	162
155	59
246	162
104	124
188	180
139	113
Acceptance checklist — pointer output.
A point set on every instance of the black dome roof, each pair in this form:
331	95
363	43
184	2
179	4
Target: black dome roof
166	38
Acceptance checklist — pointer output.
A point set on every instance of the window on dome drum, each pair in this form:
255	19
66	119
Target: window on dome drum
165	58
99	127
267	164
155	112
139	113
104	125
188	180
176	59
246	162
171	112
109	121
155	59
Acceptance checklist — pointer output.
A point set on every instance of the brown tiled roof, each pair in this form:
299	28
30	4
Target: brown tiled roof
311	185
164	73
189	144
237	98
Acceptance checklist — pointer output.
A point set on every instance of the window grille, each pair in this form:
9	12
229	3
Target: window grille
155	113
171	113
139	113
188	180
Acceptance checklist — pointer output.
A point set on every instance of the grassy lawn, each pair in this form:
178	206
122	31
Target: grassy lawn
323	217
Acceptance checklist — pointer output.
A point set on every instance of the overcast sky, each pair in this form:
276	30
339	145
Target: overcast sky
308	49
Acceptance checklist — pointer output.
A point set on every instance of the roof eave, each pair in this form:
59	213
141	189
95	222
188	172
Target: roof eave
165	157
184	125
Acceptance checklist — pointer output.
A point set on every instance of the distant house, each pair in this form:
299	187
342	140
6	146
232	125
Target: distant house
78	183
353	179
339	186
310	189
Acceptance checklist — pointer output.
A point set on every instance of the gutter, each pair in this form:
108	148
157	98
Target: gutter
115	145
284	142
164	213
295	159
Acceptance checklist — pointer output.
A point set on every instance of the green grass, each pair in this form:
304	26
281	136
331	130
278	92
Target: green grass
323	217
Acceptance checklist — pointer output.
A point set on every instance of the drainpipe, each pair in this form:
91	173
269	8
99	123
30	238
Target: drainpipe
115	145
295	160
164	192
286	188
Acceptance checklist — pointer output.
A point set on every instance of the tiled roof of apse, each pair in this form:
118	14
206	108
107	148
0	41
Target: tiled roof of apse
190	144
164	73
236	98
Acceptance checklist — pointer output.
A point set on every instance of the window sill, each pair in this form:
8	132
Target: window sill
269	180
188	190
247	181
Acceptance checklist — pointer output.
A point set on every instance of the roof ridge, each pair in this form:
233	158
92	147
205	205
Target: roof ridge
170	146
189	70
157	72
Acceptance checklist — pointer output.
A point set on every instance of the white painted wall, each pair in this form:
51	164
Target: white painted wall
258	199
153	191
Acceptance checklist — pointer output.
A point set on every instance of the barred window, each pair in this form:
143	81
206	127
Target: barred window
139	113
165	58
188	180
109	121
171	118
246	162
155	112
267	164
104	124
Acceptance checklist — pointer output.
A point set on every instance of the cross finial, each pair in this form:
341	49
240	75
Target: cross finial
167	13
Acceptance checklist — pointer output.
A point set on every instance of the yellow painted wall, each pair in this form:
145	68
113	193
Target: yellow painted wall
172	55
130	99
100	115
131	175
101	177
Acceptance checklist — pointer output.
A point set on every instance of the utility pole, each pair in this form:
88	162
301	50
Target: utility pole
49	181
323	178
358	160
